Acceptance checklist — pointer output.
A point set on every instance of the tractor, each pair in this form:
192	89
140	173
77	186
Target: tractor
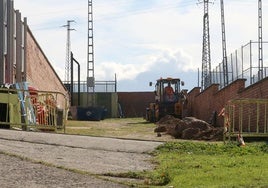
169	99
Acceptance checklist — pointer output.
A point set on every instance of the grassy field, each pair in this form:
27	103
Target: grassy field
198	164
132	128
186	163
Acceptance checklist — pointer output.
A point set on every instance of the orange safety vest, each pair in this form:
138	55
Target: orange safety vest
169	90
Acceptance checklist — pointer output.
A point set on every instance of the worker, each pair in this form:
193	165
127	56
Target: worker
169	93
225	115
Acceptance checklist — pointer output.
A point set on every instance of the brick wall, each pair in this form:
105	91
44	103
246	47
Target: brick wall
258	90
202	104
40	73
134	104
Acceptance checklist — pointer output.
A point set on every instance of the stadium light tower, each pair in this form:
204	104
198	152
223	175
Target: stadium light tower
206	57
90	49
260	44
224	51
90	54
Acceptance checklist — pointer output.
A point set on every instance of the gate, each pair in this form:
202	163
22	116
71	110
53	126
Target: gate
246	117
26	108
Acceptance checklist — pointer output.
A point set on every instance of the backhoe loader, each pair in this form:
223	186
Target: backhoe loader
169	99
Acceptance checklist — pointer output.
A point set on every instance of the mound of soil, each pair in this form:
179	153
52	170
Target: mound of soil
188	128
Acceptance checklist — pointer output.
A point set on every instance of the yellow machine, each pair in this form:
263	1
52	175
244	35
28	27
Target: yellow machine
169	99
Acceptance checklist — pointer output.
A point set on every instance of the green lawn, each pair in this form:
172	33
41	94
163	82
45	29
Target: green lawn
198	164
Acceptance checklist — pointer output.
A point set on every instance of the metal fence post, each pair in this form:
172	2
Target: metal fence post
237	66
242	61
250	60
232	65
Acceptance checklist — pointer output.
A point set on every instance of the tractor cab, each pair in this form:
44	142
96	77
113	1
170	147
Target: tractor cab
168	90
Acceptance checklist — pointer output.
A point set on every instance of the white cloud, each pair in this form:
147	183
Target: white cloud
165	61
124	71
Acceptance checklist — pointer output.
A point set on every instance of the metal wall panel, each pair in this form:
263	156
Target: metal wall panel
18	47
10	41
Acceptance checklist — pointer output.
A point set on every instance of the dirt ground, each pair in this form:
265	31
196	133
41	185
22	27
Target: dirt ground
32	159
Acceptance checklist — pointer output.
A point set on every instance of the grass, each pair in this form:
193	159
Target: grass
133	128
198	164
186	163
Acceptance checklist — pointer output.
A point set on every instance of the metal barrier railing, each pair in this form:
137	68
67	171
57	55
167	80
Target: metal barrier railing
247	117
28	109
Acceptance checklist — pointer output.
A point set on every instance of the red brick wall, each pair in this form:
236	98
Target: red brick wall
134	104
203	104
39	72
191	102
258	90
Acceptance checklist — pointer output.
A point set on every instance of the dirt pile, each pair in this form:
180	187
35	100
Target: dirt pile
188	128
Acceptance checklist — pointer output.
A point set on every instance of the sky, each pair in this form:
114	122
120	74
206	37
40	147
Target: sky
140	41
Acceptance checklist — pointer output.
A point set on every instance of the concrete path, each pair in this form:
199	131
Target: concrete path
95	155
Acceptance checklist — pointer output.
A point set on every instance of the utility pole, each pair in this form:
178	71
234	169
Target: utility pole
224	53
68	51
260	72
206	58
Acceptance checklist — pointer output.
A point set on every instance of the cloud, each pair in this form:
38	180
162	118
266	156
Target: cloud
140	41
123	71
164	61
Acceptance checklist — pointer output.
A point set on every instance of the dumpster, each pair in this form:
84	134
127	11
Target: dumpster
91	113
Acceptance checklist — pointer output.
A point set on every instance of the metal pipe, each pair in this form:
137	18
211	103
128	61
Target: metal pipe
72	79
74	60
115	79
78	78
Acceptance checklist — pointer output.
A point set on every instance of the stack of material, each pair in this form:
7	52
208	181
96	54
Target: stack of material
188	128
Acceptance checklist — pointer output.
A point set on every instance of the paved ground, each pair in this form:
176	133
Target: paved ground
94	155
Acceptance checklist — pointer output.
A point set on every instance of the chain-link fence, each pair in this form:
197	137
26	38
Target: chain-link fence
243	64
100	86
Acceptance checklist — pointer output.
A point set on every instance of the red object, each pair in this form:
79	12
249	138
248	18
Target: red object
39	108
